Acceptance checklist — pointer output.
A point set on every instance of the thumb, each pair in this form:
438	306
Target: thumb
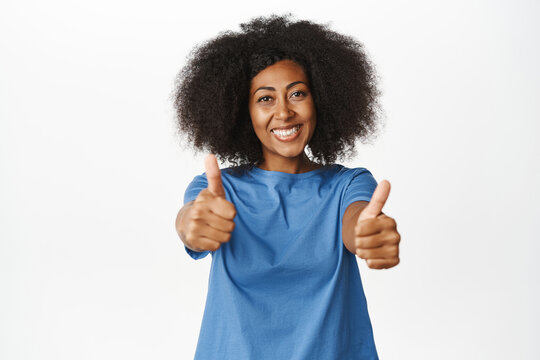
374	208
213	174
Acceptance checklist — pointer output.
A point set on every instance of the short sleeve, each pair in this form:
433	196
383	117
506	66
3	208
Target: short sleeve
361	187
198	184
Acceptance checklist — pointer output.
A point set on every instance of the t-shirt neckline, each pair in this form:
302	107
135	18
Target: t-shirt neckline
284	175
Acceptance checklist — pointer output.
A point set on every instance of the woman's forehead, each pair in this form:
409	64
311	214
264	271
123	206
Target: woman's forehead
280	73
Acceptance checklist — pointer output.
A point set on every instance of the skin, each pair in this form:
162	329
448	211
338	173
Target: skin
280	97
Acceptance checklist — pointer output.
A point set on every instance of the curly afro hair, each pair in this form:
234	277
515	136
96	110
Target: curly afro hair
211	93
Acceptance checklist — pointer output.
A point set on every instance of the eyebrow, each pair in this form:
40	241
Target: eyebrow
273	89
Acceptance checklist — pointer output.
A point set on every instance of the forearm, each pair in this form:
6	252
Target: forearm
350	218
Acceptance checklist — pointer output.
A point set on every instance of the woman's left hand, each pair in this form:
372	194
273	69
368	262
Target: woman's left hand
375	234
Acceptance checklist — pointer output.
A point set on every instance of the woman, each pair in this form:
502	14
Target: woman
283	227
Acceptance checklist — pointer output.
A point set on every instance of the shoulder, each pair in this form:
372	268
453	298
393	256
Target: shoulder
357	180
350	173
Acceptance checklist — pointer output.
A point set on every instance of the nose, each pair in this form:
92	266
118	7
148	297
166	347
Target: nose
283	112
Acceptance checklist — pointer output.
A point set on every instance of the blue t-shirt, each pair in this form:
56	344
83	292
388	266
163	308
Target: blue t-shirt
285	286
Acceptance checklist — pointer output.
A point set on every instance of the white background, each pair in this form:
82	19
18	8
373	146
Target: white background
92	175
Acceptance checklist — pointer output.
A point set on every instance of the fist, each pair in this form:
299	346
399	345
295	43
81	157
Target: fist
208	223
375	235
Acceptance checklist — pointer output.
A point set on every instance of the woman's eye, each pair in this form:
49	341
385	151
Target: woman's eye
264	99
298	93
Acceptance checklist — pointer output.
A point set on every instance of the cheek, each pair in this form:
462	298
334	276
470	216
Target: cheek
311	114
260	132
258	120
312	125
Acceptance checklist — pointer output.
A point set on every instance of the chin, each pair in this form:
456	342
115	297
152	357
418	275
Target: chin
291	154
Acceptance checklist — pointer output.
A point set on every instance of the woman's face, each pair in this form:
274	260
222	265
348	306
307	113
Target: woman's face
282	111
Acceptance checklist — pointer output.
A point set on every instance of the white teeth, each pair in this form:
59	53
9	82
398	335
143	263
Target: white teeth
286	133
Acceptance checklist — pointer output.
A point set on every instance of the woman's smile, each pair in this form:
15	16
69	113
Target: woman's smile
288	133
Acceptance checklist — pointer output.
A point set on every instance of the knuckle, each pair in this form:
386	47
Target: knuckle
202	196
189	229
391	237
214	246
196	212
193	227
365	242
227	237
193	241
232	211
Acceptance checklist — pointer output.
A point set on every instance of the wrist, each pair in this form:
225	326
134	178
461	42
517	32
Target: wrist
350	218
182	220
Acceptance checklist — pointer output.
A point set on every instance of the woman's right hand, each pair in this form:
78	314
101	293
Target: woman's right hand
207	222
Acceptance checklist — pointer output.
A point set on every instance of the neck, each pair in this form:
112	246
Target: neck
298	165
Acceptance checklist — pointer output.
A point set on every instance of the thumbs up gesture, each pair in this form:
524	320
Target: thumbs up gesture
208	221
375	235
